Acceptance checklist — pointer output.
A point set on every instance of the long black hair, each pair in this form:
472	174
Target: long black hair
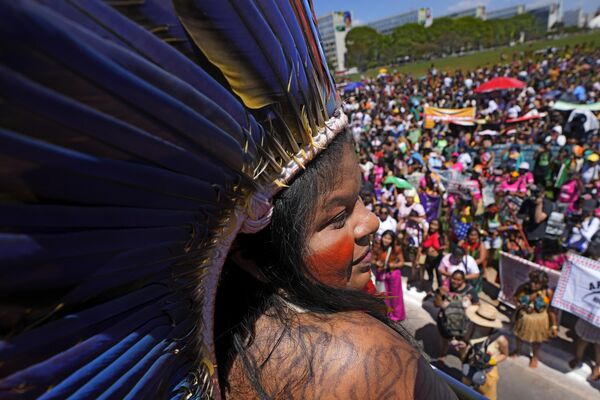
279	252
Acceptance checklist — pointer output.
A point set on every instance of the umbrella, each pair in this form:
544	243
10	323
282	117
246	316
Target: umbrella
488	132
591	122
352	86
398	182
501	83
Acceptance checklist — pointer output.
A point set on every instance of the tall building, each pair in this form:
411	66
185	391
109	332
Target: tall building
477	12
333	29
574	17
547	15
508	12
387	25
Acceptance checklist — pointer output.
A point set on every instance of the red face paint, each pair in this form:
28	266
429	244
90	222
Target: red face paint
330	264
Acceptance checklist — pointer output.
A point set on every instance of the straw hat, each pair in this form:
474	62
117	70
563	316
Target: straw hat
484	315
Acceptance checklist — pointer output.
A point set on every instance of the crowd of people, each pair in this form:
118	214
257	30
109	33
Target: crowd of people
523	179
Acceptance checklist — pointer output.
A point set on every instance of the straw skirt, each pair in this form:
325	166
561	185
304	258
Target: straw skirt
533	327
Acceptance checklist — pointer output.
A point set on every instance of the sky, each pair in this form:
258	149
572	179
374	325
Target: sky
370	10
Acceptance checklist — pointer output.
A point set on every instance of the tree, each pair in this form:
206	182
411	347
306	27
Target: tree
363	46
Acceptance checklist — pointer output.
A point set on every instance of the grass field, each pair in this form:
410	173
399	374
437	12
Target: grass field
472	61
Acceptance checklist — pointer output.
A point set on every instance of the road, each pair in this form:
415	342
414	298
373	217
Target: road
552	380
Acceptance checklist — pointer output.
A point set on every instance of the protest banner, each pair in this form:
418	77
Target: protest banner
527	152
578	290
456	115
514	271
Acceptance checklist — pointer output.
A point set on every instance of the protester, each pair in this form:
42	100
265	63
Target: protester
458	260
535	321
432	248
484	349
453	300
587	334
474	247
389	261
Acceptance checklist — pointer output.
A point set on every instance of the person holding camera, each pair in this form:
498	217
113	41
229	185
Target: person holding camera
483	349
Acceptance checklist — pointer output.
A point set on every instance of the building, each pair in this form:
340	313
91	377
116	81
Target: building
503	13
333	29
387	25
477	12
547	15
574	17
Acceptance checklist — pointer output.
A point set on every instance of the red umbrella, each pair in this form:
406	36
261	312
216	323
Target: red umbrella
501	83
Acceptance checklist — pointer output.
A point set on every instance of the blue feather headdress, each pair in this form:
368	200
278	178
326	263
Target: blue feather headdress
136	139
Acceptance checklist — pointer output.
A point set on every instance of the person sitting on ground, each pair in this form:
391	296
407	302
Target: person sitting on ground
452	301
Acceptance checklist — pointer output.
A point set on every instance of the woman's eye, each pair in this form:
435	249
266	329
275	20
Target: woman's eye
339	220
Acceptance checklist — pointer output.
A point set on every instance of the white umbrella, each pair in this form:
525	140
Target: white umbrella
488	132
591	122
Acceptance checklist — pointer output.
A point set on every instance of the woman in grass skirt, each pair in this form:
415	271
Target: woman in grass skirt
535	322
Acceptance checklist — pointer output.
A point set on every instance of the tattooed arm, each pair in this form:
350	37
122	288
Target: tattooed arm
346	356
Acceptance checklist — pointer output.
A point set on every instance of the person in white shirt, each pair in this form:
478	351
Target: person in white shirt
582	233
458	260
406	204
386	222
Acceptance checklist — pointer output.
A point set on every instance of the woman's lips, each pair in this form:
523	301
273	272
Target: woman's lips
363	257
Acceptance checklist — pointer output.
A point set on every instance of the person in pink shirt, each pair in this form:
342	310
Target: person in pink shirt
525	174
513	185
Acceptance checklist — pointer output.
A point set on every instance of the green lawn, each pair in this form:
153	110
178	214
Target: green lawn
472	61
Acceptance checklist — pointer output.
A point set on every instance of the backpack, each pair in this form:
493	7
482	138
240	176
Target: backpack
454	318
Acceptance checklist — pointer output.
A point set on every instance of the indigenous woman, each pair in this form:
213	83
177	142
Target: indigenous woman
475	247
433	248
182	210
534	320
389	261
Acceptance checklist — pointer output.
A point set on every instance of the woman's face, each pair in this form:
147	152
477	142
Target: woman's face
386	240
338	240
473	237
434	226
457	281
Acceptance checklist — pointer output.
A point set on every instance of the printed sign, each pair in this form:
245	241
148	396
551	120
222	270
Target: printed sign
459	115
514	271
578	290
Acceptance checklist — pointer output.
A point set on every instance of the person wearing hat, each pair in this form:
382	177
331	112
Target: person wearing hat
590	171
525	174
483	349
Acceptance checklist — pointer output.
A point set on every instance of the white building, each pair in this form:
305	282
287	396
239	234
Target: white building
477	12
507	12
333	29
574	17
547	15
387	25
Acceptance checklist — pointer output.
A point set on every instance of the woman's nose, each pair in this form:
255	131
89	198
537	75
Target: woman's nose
368	224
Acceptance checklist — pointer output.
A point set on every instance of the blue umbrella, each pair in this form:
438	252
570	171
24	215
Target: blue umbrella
353	85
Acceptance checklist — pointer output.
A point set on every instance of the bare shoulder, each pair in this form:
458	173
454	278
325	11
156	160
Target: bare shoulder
345	355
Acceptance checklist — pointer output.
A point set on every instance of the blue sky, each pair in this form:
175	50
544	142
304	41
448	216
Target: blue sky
370	10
